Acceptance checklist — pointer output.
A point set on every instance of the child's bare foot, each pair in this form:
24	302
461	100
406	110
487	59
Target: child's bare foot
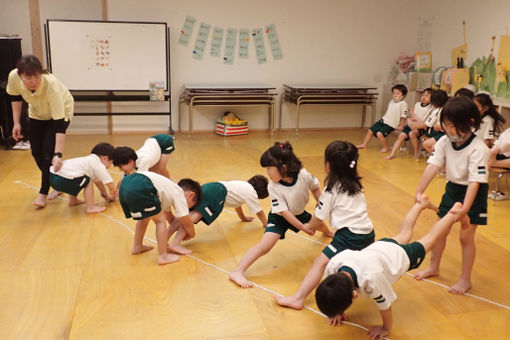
361	146
167	258
95	209
74	201
389	157
240	280
460	216
460	287
384	150
427	203
140	249
40	201
289	301
179	249
54	194
429	272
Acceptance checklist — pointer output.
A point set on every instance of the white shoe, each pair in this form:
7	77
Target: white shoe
18	145
498	196
25	145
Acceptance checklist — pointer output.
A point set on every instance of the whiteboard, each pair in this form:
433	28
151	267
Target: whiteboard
114	55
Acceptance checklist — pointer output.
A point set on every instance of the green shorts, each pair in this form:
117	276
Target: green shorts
431	133
69	186
415	251
166	143
500	157
212	201
279	225
456	193
346	239
408	129
381	127
138	197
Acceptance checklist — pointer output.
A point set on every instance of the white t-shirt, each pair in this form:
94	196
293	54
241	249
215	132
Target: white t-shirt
90	166
421	111
344	211
292	197
395	112
503	143
148	155
434	117
486	130
169	193
239	192
377	268
465	164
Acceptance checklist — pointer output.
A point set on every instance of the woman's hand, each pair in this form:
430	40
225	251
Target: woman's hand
16	132
57	163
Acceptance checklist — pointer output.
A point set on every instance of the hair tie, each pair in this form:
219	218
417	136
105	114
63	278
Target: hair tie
353	163
281	145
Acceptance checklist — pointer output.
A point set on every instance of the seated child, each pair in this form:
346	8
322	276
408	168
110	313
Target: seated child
432	125
343	202
466	92
83	172
371	272
492	120
147	196
393	119
152	156
217	194
412	130
499	157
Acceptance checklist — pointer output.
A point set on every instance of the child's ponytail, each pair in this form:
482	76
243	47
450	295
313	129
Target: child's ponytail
281	156
343	161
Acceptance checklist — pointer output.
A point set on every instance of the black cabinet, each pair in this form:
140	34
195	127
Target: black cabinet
10	52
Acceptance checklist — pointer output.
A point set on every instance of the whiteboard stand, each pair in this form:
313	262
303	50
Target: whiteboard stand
66	31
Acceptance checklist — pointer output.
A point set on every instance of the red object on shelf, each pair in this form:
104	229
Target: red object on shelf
231	130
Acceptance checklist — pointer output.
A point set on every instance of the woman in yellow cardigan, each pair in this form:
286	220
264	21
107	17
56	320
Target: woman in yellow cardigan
50	109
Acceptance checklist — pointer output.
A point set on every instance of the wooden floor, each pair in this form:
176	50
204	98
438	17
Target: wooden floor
68	275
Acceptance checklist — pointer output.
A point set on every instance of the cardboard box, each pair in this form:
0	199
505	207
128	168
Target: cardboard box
231	130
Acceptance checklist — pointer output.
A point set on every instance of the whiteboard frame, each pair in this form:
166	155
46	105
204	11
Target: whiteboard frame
167	66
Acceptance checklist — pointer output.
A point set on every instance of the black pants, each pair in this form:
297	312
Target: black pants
42	141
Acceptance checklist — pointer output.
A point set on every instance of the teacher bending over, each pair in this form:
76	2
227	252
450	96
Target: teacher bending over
50	108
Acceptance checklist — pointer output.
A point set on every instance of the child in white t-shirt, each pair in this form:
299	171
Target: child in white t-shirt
147	196
372	271
289	192
82	173
343	203
499	157
432	125
247	192
152	156
394	118
492	120
413	130
465	157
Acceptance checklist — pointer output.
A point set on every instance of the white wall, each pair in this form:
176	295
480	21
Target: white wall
484	19
15	19
323	41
